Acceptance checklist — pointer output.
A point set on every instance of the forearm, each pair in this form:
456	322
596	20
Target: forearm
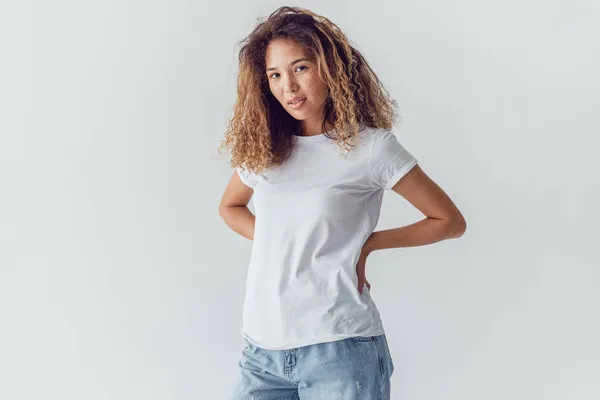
426	231
240	219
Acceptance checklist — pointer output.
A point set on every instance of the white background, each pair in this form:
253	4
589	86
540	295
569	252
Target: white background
119	280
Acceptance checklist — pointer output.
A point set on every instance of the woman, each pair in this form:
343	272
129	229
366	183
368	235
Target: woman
310	139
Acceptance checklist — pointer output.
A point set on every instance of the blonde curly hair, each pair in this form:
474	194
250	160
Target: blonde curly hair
261	133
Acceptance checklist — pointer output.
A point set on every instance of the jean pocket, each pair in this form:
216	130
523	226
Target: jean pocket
388	353
363	338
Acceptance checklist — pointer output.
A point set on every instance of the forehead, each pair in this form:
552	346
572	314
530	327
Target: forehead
282	51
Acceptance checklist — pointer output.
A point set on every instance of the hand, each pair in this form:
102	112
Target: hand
360	271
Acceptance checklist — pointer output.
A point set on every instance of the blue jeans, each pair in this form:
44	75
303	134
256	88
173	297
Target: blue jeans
353	368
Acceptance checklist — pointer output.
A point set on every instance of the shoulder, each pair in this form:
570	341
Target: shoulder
250	178
377	133
382	139
370	135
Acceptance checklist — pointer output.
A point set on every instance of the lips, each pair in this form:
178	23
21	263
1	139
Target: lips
296	104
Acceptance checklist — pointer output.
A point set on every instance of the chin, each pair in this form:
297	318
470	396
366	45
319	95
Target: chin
298	116
301	114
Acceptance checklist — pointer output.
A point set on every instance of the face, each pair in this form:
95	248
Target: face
293	76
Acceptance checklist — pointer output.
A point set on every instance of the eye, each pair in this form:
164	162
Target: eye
273	75
302	66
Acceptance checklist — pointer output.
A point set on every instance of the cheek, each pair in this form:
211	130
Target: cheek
317	89
277	92
317	84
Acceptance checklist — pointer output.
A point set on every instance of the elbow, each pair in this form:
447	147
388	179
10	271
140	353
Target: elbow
222	210
459	227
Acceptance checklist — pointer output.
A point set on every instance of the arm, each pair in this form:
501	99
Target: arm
234	207
444	220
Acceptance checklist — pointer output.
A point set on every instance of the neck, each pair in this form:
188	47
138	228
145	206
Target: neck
311	128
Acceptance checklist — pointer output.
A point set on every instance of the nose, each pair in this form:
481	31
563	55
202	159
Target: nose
290	85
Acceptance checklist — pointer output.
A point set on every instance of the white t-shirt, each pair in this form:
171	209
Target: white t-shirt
313	215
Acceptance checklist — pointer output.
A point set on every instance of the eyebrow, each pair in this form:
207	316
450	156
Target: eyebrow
292	63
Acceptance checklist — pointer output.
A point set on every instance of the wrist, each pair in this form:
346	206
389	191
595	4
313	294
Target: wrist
368	247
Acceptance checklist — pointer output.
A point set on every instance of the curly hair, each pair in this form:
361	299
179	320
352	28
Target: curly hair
261	133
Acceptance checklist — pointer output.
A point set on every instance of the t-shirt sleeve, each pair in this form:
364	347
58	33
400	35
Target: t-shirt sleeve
390	161
249	178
